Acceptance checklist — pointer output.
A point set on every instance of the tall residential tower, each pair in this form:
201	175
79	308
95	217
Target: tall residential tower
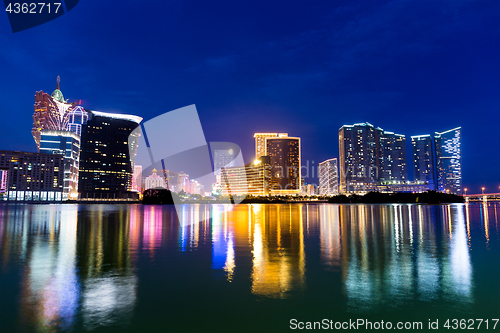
449	160
328	177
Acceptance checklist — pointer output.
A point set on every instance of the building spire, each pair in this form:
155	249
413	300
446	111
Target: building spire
58	80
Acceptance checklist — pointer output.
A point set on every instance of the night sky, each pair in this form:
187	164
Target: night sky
301	67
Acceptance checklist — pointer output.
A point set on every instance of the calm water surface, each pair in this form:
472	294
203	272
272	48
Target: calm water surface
134	268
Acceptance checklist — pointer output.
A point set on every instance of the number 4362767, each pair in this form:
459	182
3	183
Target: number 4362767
33	8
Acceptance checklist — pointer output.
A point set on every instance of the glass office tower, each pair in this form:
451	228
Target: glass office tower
106	166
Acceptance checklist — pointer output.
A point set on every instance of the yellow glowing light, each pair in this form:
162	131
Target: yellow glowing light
256	162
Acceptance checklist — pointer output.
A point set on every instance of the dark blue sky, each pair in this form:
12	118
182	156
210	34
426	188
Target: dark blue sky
302	67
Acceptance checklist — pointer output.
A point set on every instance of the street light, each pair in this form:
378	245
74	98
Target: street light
482	189
465	189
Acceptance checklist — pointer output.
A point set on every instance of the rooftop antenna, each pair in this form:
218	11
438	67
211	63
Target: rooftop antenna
58	81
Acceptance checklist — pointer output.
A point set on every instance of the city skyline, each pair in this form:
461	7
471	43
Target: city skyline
321	67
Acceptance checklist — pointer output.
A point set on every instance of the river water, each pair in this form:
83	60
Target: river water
245	268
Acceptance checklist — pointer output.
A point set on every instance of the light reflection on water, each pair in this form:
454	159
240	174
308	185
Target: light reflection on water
79	264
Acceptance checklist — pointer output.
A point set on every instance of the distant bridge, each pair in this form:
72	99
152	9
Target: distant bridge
482	197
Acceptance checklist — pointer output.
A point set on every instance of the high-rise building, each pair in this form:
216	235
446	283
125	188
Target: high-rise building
253	178
56	130
423	159
195	187
359	156
328	177
154	181
33	176
51	113
222	158
106	164
449	160
183	182
260	142
284	155
173	180
67	144
137	179
368	155
393	166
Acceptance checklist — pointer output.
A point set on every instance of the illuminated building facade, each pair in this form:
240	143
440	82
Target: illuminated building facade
67	144
3	181
183	182
222	158
253	178
393	166
423	159
173	180
195	187
284	155
77	117
154	181
260	142
106	167
51	113
360	156
328	177
33	176
449	160
369	155
137	179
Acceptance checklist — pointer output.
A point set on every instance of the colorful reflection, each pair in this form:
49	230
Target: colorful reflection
78	262
44	237
330	236
223	255
277	240
392	250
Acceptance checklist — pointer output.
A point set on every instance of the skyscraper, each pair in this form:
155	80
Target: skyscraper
369	155
393	166
284	154
260	142
67	144
423	159
106	166
360	156
51	112
137	178
449	160
56	130
328	177
222	158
